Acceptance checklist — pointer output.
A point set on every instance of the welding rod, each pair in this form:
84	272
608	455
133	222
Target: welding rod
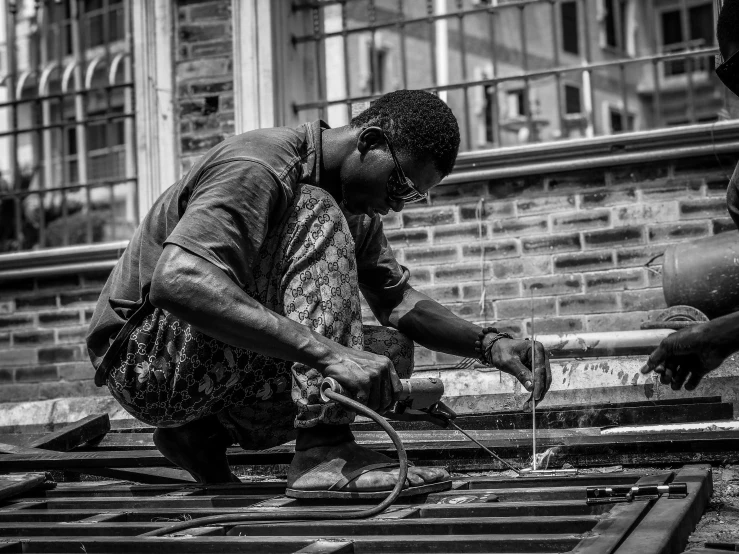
533	374
486	449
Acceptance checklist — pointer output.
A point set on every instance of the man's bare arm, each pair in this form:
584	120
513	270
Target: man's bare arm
202	295
430	324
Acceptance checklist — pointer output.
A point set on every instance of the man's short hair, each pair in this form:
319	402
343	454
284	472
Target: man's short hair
727	26
418	123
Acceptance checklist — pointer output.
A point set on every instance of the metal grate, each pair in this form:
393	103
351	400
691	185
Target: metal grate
482	514
520	71
67	125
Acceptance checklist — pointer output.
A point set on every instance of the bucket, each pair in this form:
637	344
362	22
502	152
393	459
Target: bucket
704	274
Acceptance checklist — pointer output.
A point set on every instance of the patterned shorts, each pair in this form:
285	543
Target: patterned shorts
170	374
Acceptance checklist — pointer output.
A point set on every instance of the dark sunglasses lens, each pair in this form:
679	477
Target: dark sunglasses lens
728	72
403	191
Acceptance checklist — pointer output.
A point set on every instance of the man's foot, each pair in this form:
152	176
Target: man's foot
320	467
198	447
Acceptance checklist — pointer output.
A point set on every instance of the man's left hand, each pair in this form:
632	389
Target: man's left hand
513	356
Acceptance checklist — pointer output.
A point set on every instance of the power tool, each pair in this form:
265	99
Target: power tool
420	400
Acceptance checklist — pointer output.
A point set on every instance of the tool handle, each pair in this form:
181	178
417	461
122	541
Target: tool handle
417	393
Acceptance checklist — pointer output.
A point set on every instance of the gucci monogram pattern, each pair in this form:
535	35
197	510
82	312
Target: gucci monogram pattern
170	373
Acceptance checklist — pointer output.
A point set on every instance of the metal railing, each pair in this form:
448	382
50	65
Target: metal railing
477	45
68	126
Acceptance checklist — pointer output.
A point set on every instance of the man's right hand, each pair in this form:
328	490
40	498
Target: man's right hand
685	357
369	378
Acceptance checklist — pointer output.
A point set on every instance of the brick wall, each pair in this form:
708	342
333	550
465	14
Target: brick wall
204	76
578	242
42	328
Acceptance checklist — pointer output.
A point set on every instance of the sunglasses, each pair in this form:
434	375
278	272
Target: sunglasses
728	72
400	187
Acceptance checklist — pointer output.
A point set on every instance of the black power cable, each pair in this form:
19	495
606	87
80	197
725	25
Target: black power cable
282	515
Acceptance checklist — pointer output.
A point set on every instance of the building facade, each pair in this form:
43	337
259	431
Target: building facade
589	147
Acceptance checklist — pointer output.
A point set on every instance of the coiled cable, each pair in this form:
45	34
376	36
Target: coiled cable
282	515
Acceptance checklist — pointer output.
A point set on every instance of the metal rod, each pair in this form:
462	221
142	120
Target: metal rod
345	48
465	90
526	82
432	44
90	184
494	60
61	95
485	448
557	76
587	76
11	49
401	34
685	23
533	375
317	35
80	108
52	126
624	100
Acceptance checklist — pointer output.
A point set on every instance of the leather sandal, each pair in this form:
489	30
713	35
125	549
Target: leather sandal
337	490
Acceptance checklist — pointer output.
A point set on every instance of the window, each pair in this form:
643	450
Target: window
377	66
515	103
489	114
570	38
617	121
70	177
700	27
615	24
572	100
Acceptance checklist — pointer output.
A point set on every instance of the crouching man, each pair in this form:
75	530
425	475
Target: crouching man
240	291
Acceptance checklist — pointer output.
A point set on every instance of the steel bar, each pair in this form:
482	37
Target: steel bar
555	60
587	76
10	33
592	162
90	184
319	59
346	68
463	67
62	95
685	28
533	394
430	22
494	61
526	79
401	34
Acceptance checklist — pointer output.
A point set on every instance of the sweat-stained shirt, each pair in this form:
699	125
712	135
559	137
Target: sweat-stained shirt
221	211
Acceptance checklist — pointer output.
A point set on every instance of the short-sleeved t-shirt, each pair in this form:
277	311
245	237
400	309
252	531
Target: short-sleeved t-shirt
222	210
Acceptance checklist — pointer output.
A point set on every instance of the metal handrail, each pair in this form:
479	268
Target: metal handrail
692	140
60	261
529	76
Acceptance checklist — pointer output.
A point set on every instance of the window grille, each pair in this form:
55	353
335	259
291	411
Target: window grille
68	167
622	64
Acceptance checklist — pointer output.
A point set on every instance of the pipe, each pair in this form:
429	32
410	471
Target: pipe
594	345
